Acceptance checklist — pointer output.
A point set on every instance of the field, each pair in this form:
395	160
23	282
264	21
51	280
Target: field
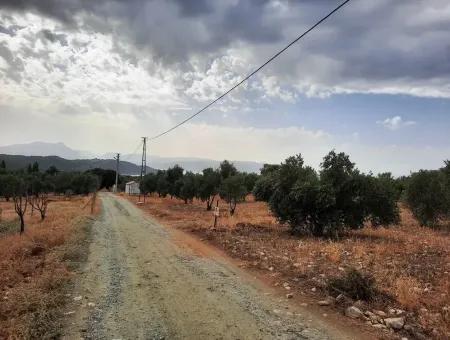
410	264
35	268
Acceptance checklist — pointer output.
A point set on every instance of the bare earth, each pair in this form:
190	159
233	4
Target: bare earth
139	283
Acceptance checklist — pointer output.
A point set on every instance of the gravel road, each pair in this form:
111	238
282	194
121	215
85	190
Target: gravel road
138	283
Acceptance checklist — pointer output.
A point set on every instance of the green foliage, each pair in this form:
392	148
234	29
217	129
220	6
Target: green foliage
250	181
2	164
265	184
327	203
427	195
188	188
381	197
173	175
162	185
52	170
8	185
264	187
354	284
63	182
106	177
149	183
83	184
233	190
227	169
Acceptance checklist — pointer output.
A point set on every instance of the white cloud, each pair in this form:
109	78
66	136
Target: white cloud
395	123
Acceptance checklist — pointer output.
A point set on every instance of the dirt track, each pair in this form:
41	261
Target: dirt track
139	283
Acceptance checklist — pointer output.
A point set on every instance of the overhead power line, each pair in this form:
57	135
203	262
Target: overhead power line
254	72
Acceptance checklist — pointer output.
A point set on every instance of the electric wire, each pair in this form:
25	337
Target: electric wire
252	73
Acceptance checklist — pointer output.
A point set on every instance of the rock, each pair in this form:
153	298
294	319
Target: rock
340	298
380	313
379	326
391	311
399	312
328	301
77	298
353	312
289	295
360	304
394	323
372	317
91	304
313	289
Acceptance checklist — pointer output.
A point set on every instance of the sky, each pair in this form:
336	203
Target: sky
373	81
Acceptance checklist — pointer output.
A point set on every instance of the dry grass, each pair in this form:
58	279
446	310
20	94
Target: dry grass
32	271
410	264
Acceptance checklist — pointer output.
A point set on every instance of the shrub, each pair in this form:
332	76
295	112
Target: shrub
339	198
264	187
354	284
427	196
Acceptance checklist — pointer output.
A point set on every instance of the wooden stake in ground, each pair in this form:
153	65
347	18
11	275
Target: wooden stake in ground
216	214
93	199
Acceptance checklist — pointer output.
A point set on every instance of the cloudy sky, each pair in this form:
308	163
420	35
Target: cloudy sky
373	81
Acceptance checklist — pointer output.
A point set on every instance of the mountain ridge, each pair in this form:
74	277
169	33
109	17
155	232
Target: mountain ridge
194	164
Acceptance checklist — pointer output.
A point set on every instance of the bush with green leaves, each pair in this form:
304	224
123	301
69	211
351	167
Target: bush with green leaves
428	195
265	184
337	198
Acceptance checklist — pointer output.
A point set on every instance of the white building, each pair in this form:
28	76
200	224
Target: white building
132	188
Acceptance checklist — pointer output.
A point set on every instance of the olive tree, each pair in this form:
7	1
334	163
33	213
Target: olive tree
427	196
336	198
20	198
188	187
173	175
39	190
209	184
233	190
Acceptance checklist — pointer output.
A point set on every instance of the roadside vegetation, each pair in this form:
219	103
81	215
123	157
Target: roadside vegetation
373	246
43	226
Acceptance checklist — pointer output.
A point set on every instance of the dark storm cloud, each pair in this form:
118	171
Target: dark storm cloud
54	37
367	41
15	64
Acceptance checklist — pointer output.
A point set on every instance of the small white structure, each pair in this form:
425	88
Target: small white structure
132	188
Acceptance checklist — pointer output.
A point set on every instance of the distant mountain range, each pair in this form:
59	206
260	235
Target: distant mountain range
16	162
86	158
45	149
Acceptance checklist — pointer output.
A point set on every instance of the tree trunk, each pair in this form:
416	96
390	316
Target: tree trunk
232	207
22	224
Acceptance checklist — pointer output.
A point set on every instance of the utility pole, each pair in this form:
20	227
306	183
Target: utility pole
143	163
117	158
